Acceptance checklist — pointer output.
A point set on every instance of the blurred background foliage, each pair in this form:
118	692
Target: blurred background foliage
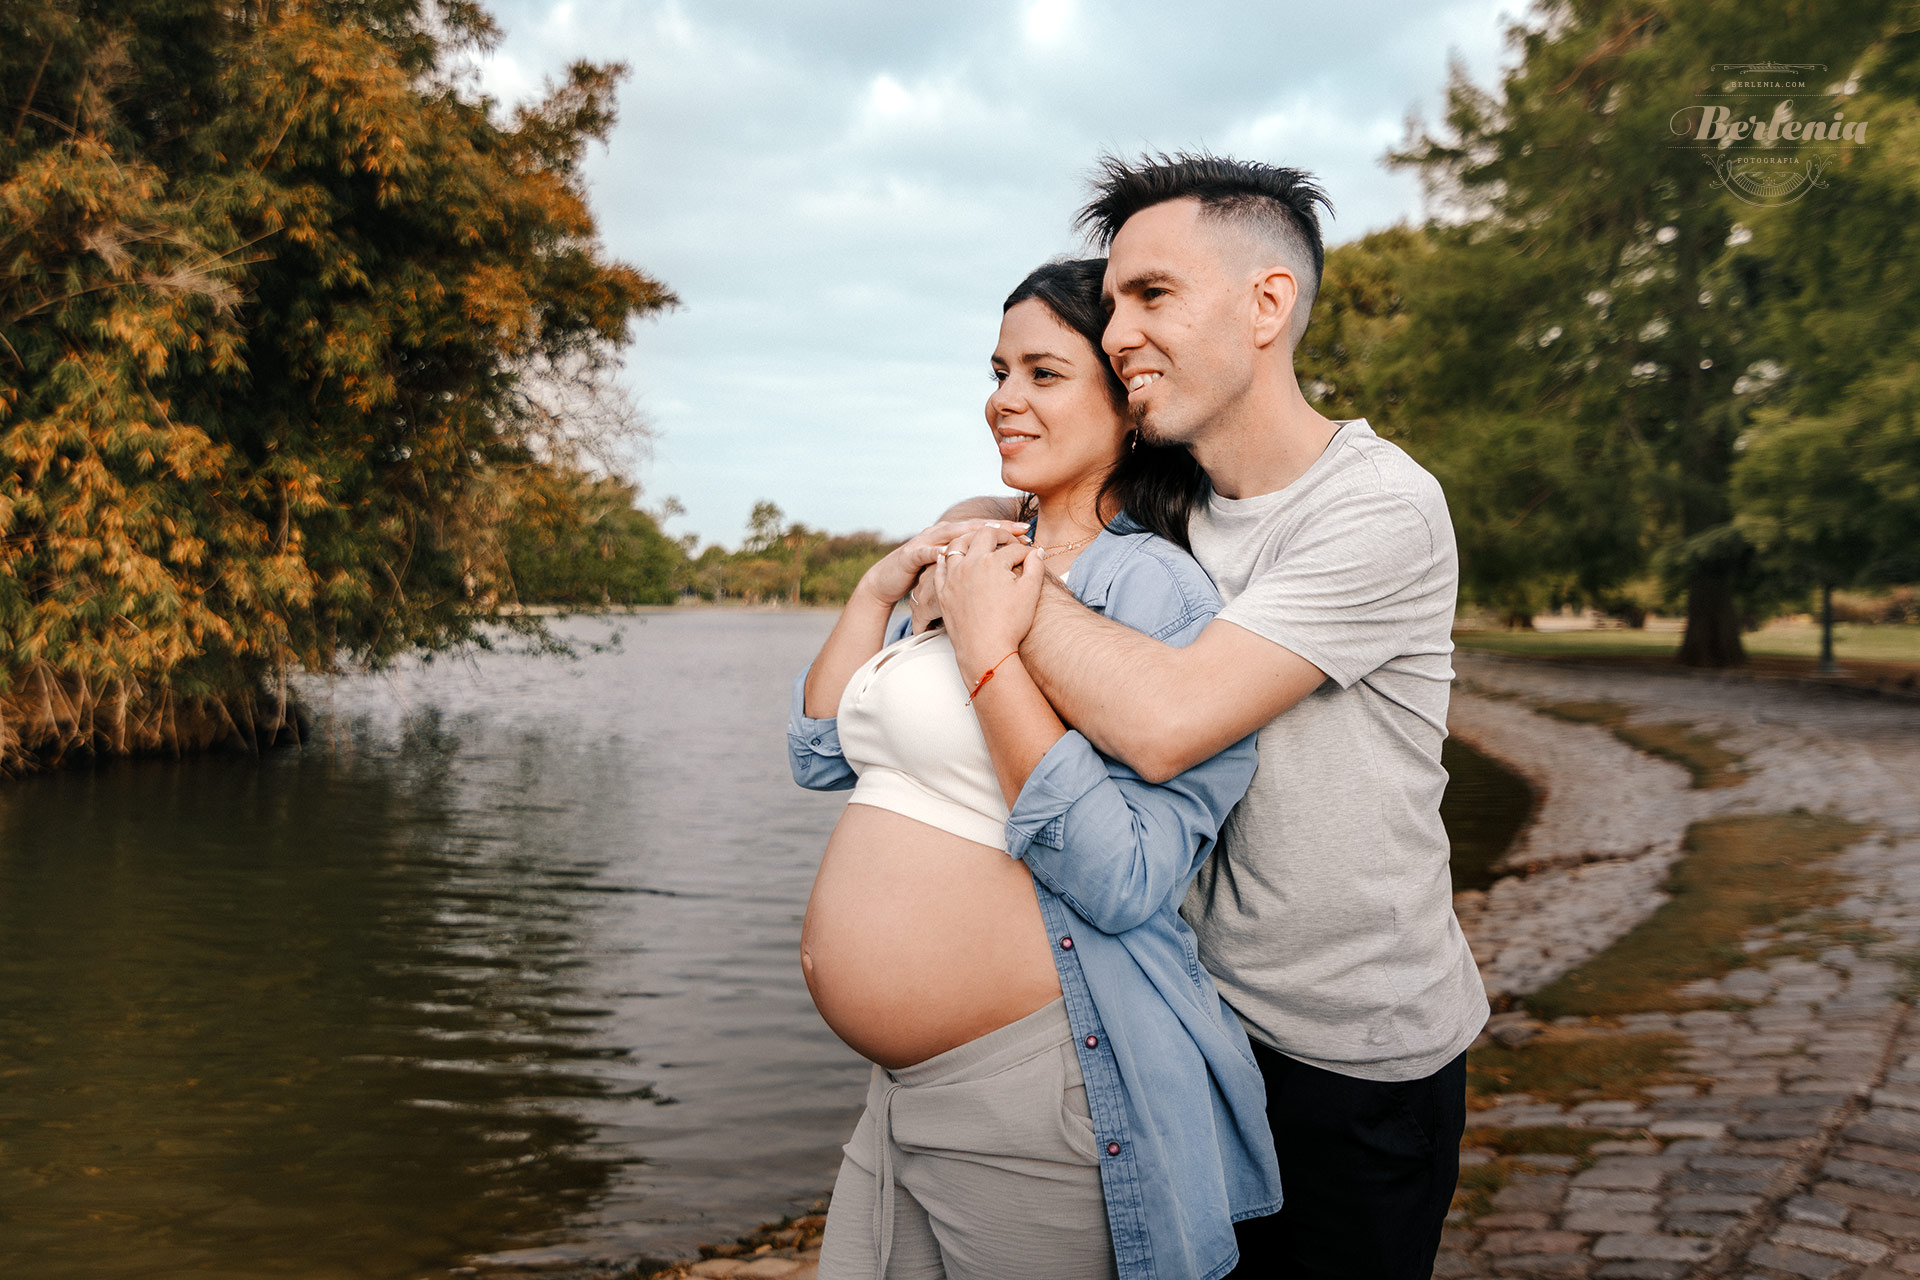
1640	391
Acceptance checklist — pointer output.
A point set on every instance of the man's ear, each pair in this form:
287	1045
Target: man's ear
1274	293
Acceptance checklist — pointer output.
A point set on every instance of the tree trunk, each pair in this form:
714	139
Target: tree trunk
1713	625
1827	666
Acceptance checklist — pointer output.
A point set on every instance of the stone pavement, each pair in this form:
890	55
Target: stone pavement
1798	1154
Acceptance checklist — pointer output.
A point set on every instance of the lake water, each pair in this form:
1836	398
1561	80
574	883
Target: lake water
501	970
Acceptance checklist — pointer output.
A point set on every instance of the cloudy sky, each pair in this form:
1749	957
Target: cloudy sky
842	192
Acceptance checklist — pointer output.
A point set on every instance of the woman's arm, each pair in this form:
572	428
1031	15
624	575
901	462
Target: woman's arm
861	629
1115	847
988	596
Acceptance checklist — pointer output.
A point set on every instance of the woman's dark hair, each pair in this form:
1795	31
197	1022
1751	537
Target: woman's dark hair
1157	485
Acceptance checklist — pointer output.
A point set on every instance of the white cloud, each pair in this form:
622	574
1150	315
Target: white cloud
842	193
1047	22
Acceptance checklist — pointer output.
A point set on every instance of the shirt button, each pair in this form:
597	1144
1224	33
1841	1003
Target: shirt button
1093	1042
816	742
1113	1148
1066	944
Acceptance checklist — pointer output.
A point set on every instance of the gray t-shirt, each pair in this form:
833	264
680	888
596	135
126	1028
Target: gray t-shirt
1326	913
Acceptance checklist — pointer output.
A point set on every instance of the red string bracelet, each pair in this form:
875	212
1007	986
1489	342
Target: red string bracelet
983	679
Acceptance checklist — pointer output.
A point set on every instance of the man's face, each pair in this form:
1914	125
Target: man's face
1180	329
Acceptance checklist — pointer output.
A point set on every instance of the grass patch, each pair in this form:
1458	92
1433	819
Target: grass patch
1564	1064
1861	642
1736	874
1700	754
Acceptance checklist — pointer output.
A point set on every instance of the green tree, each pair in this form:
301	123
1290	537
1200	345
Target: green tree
1827	484
1564	168
579	541
1443	338
287	319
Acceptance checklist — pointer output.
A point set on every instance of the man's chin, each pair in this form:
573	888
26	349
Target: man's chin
1153	428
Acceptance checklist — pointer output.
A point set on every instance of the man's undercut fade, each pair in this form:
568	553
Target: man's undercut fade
1279	206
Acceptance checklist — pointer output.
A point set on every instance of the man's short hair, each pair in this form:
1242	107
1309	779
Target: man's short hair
1279	206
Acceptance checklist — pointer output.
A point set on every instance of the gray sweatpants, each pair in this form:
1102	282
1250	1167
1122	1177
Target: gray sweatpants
977	1164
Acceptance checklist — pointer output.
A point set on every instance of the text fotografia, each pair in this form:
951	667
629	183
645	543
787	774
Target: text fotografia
1768	140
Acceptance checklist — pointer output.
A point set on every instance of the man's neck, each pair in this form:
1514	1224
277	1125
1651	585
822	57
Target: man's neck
1264	443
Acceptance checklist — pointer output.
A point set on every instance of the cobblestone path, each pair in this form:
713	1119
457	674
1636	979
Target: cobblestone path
1798	1154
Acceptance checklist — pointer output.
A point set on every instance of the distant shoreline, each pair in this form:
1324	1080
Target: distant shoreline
690	606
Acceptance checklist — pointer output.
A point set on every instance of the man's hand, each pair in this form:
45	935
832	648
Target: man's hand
989	594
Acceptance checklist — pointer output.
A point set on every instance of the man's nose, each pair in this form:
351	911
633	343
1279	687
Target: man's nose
1120	336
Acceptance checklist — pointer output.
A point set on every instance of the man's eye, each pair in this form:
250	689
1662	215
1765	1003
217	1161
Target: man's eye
1153	292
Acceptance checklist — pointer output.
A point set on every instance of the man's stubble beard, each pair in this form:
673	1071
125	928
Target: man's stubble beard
1144	426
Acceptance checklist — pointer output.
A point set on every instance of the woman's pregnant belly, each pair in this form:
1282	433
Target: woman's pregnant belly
917	940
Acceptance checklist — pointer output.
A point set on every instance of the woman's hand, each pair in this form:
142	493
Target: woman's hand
989	593
894	575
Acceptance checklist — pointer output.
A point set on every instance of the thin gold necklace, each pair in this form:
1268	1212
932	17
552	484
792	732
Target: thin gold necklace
1069	546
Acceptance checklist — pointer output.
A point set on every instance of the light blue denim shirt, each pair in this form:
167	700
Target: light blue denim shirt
1178	1106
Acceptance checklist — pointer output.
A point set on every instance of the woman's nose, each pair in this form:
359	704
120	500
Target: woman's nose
1006	398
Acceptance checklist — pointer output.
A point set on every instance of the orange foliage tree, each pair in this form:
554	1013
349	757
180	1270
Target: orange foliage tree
289	317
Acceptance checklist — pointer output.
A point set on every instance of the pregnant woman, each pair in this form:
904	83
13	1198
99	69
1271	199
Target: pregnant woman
1058	1090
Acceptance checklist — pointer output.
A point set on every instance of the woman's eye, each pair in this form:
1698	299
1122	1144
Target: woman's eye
998	375
1040	375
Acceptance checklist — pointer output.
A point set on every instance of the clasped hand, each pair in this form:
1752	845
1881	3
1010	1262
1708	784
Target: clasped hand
904	569
988	592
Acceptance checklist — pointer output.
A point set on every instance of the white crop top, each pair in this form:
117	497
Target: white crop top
907	731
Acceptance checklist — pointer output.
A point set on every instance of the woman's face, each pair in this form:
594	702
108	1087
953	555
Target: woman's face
1053	414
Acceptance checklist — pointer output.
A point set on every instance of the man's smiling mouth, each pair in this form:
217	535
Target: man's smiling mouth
1140	380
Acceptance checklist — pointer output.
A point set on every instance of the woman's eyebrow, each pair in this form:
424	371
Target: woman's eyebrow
1035	357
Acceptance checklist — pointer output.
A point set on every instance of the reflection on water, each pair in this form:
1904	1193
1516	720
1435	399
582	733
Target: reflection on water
1484	809
506	962
502	969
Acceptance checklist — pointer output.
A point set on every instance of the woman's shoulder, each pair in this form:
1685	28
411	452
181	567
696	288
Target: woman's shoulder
1151	583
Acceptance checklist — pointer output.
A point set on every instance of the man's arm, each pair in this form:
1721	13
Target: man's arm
985	507
1160	709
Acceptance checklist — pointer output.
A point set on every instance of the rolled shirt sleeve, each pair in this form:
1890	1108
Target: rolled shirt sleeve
813	743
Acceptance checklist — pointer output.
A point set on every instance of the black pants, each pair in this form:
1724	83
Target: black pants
1367	1171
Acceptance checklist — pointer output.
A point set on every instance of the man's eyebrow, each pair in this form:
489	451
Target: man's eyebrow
1146	280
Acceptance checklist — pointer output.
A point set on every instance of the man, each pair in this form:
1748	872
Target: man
1327	915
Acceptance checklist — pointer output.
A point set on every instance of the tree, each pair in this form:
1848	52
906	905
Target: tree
1564	165
287	320
578	541
1443	338
1827	484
